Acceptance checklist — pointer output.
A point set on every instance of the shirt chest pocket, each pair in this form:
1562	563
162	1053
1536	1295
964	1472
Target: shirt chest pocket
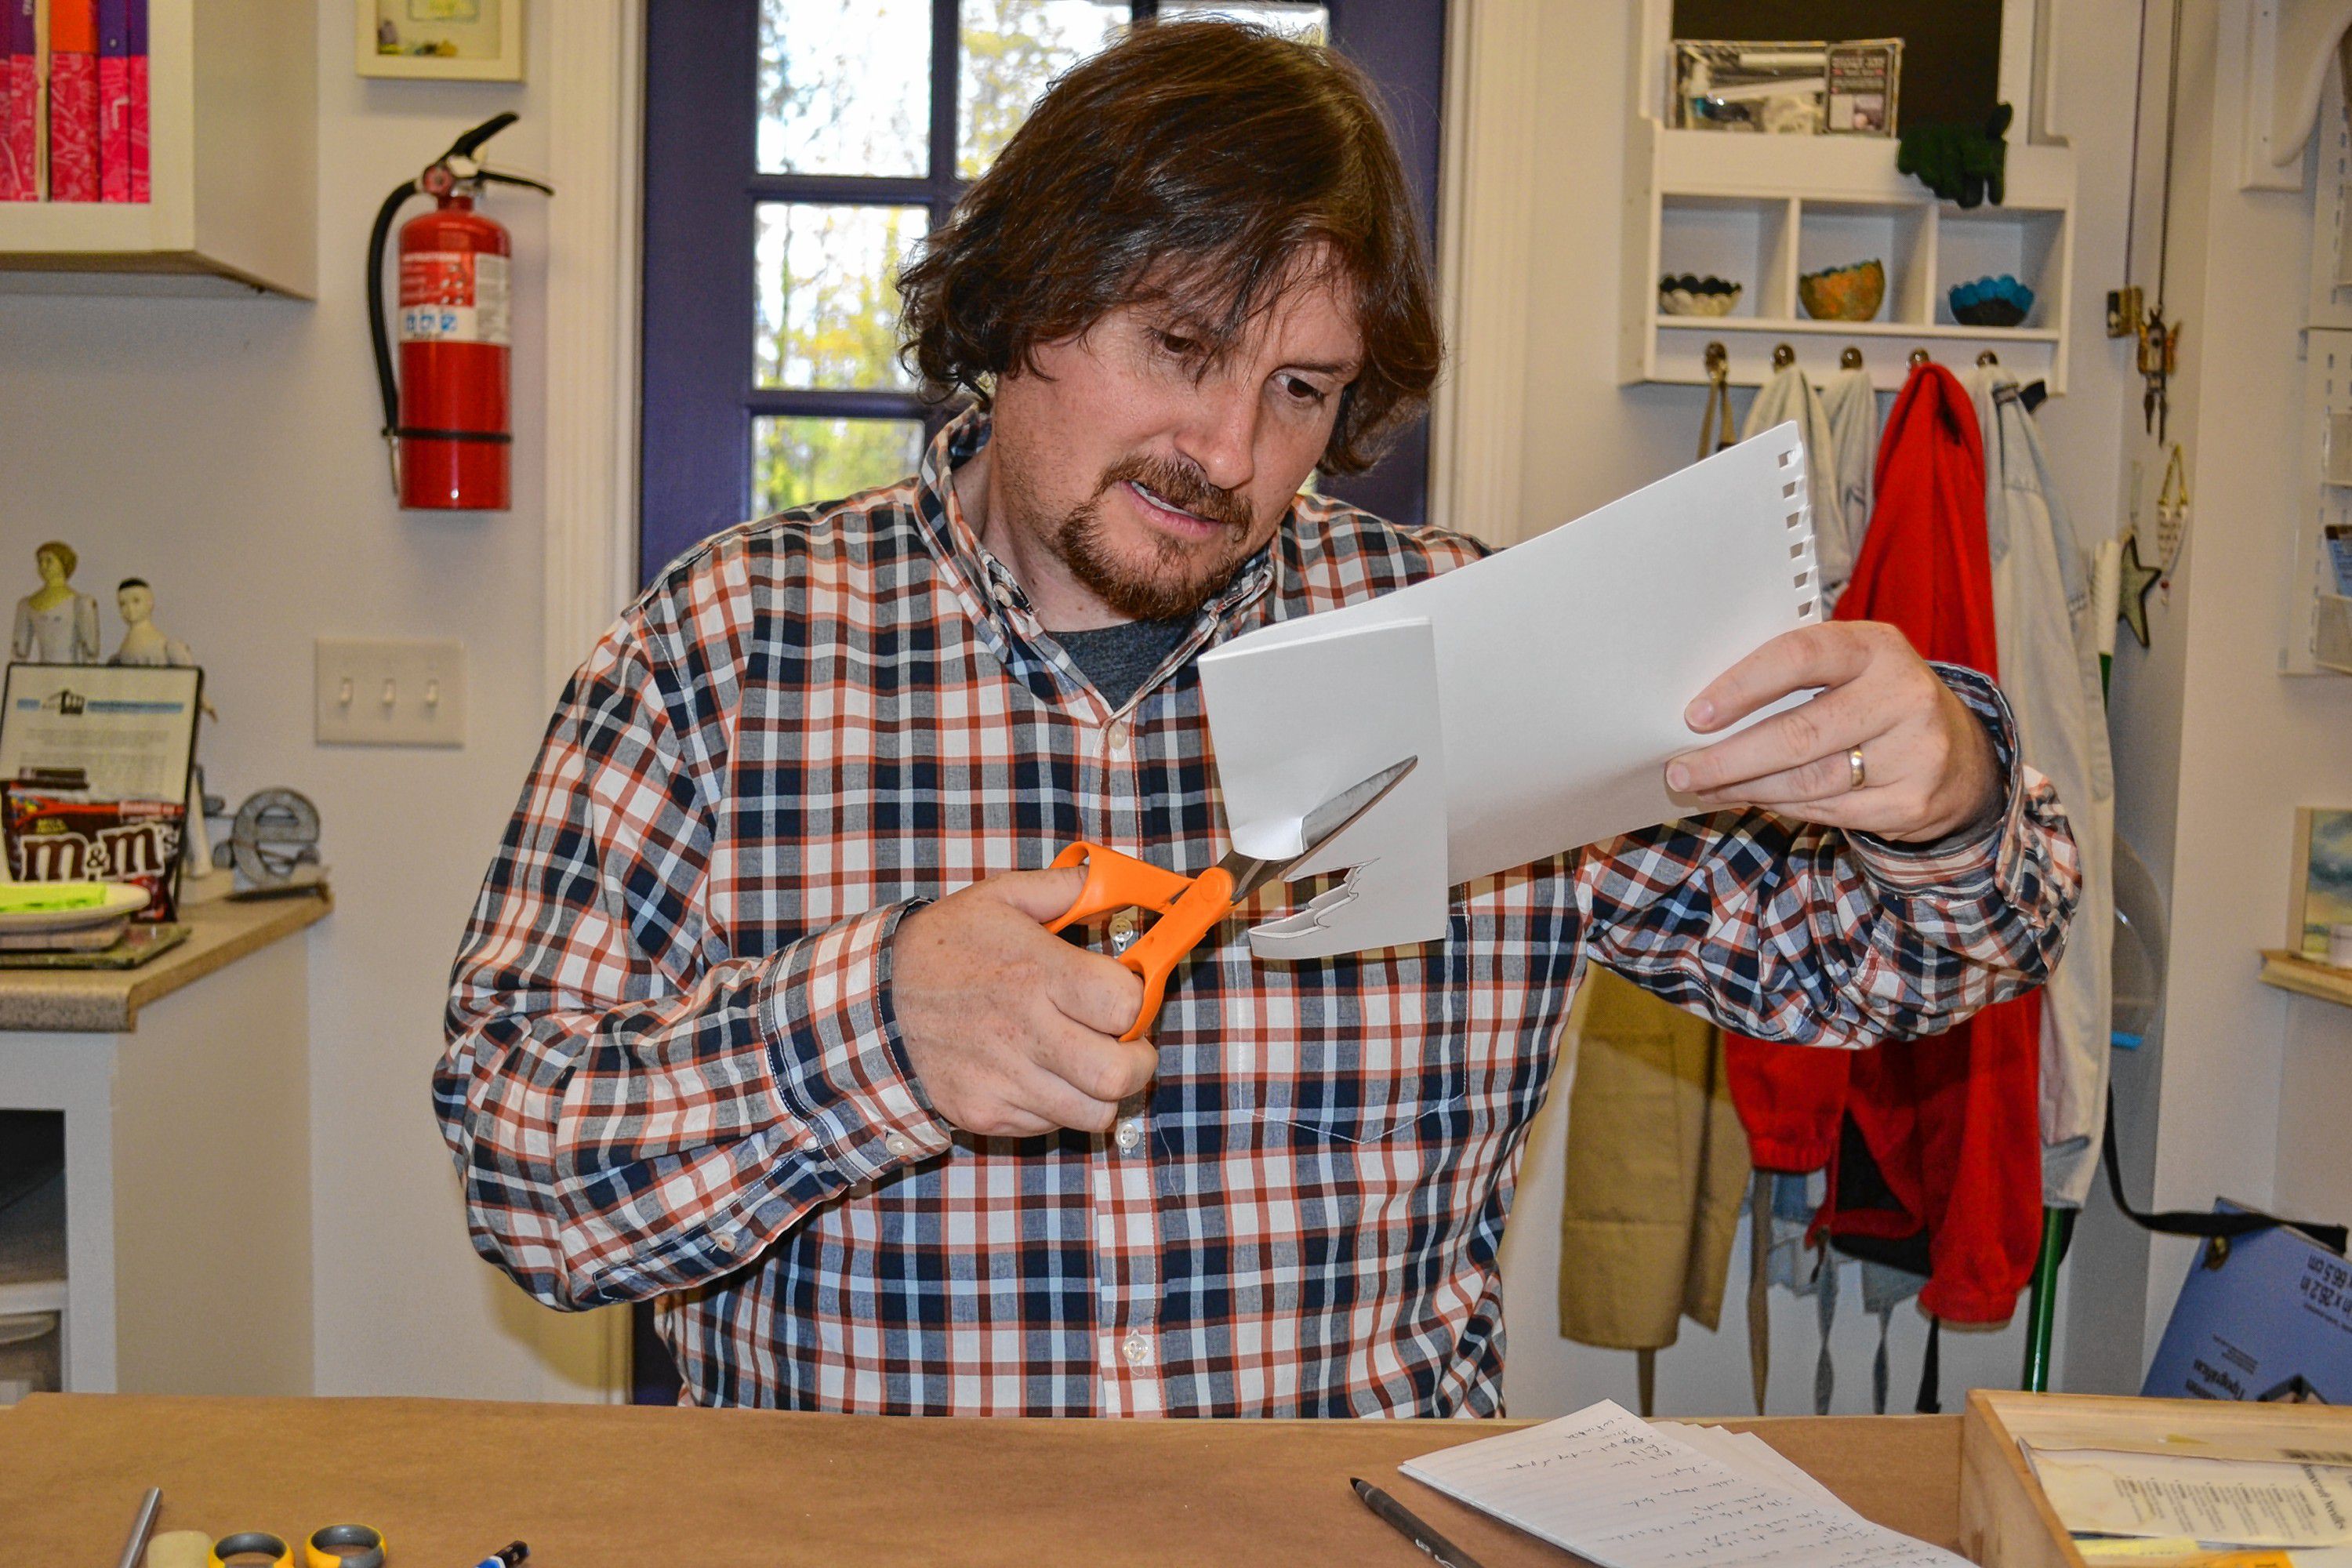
1362	1091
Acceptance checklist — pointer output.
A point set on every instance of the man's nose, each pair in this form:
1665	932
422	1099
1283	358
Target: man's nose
1221	435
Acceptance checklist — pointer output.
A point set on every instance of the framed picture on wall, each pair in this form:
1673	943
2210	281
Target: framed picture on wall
465	41
2319	892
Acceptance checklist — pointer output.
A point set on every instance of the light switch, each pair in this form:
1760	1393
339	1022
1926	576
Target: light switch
390	693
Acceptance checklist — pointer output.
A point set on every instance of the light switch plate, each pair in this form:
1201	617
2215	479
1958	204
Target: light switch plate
378	692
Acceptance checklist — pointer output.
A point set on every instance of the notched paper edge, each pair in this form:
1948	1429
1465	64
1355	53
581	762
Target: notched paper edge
1268	941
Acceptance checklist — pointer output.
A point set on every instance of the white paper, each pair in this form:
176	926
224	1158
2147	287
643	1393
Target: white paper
2241	1501
1610	1486
1397	893
1751	1455
1563	665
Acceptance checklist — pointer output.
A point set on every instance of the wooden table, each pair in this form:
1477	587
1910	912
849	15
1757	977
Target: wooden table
449	1481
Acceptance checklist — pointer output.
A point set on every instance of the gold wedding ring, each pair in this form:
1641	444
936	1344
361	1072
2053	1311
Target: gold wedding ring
1854	770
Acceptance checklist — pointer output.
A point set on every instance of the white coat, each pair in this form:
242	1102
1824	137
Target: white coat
1789	395
2046	623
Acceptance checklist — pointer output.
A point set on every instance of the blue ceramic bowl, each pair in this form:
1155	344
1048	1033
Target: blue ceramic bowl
2000	301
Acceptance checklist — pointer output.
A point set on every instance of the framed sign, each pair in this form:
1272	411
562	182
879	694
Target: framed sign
466	40
94	765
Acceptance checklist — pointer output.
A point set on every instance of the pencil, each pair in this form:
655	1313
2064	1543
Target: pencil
1411	1527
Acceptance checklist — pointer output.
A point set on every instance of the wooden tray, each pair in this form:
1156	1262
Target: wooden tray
2005	1519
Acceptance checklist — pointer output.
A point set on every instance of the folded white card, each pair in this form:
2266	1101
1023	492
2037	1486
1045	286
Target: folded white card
1558	669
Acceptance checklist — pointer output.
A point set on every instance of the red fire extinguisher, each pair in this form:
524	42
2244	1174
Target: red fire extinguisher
444	416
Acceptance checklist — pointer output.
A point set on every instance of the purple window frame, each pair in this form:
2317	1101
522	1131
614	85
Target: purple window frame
703	187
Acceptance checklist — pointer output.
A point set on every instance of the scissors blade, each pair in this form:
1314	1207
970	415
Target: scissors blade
1324	824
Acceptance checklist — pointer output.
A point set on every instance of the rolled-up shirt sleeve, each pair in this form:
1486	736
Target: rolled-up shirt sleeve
1790	931
633	1108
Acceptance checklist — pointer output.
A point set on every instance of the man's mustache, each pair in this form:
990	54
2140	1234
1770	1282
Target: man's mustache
1181	485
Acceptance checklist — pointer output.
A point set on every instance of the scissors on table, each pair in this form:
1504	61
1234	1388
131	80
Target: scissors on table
1189	906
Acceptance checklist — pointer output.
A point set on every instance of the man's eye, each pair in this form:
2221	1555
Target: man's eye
1178	345
1302	391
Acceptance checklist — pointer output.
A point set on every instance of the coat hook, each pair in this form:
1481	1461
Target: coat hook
1988	357
1783	356
1918	358
1850	359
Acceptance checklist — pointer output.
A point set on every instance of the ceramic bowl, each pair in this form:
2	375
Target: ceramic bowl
2000	301
1843	293
1693	296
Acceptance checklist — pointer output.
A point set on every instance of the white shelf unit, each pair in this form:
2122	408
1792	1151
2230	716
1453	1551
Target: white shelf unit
1761	210
233	140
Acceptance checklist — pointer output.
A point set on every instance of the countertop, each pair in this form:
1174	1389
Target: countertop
448	1481
107	1001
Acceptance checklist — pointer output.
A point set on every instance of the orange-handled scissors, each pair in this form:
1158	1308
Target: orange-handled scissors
1189	906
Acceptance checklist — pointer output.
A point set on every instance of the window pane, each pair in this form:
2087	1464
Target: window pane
1012	50
829	294
1307	24
845	87
799	461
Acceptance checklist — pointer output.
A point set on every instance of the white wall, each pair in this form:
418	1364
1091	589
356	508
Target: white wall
226	450
1589	440
2251	1089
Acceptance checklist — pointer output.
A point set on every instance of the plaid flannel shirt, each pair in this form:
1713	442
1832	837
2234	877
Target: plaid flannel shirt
674	1070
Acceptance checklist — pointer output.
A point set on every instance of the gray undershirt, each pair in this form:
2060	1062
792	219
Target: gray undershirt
1118	659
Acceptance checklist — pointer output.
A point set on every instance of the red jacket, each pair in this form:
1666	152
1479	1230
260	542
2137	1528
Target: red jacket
1950	1120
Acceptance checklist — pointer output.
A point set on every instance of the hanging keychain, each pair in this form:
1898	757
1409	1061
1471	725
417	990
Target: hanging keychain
1718	396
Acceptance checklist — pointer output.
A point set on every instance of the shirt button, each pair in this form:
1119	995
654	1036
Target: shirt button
727	1242
1128	1135
1119	737
901	1146
1135	1349
1121	928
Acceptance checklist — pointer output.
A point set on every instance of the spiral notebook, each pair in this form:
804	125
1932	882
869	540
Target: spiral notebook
1542	691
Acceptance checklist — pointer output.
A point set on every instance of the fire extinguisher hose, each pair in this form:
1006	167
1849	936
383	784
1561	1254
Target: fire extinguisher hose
378	237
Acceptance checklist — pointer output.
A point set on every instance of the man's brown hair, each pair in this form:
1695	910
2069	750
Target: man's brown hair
1193	163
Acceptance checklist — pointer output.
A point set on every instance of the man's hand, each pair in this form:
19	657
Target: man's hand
1011	1030
1927	764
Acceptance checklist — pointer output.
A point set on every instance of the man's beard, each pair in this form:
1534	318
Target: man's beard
1179	578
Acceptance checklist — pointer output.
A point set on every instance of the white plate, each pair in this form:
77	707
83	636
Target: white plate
122	898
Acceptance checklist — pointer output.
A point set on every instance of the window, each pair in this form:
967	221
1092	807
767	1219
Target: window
797	151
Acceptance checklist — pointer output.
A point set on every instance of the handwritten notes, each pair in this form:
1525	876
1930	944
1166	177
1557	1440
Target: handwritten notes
1611	1488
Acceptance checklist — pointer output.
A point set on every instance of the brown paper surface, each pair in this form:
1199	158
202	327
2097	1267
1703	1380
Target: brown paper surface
450	1481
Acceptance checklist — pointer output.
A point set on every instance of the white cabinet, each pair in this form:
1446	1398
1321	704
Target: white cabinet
184	1091
232	149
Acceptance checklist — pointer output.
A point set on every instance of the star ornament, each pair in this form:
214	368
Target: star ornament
2137	581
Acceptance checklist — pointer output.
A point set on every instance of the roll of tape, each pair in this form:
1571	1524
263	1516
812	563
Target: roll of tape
250	1543
320	1552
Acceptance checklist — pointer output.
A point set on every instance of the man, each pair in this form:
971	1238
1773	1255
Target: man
756	1017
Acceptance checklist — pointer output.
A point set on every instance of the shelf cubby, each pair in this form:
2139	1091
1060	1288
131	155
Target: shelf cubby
1748	241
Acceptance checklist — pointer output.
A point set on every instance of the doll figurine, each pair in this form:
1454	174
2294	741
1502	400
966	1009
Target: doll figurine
54	624
143	642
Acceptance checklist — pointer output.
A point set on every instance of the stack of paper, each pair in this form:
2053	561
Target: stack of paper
2234	1494
1614	1489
